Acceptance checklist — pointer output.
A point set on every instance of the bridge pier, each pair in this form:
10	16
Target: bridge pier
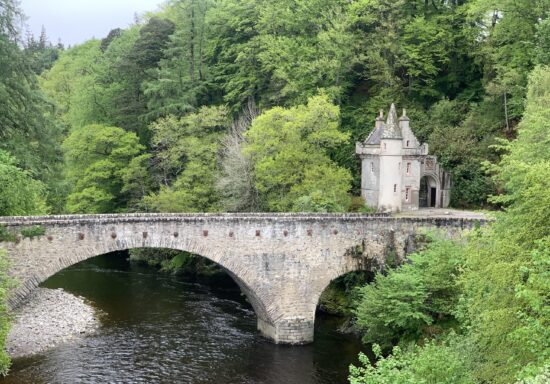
294	330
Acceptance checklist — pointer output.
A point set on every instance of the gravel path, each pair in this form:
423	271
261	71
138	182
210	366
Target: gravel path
49	318
444	213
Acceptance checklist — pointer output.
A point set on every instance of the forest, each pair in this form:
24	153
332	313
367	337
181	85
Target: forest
256	105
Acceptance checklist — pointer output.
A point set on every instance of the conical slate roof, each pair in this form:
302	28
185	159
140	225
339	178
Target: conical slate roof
391	129
388	130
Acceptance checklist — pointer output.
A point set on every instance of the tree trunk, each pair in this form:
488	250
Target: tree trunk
506	112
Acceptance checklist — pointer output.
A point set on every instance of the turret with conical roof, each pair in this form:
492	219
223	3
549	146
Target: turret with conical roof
392	129
397	172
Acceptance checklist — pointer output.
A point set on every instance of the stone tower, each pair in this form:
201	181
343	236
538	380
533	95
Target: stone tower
396	171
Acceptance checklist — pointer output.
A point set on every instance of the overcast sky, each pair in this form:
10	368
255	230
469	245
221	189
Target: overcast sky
75	21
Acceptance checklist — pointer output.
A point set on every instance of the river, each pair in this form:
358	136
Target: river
158	328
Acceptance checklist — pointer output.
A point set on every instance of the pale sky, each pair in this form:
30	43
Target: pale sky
75	21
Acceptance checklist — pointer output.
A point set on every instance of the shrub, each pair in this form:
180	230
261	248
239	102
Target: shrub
6	235
34	231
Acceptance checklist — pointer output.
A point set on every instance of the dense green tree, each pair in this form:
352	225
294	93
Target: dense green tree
305	46
401	304
288	149
280	53
100	82
72	85
185	155
26	130
20	194
138	181
181	80
508	30
96	161
41	53
233	49
136	68
507	268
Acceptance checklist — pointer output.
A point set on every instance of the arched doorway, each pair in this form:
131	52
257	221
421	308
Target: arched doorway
428	192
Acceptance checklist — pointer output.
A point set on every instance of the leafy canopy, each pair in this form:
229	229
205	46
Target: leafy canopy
96	159
289	150
20	194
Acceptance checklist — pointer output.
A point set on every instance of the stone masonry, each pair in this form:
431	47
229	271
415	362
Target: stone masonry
397	172
282	262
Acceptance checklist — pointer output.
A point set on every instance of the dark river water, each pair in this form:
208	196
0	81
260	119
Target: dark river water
158	328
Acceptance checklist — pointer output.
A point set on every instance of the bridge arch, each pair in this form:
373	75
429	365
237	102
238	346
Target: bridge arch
179	243
282	262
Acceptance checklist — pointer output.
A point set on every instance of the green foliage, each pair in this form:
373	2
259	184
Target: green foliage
181	78
434	363
185	157
5	284
543	42
33	231
96	159
27	129
271	52
541	378
401	304
71	84
288	149
508	28
507	270
173	261
138	181
340	295
41	53
6	234
357	204
20	194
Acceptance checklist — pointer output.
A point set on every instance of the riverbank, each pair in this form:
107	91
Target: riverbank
50	317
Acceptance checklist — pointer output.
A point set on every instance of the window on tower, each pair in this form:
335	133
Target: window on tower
395	187
408	169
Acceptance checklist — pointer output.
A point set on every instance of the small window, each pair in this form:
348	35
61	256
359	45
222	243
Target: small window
407	143
395	187
408	168
372	167
407	193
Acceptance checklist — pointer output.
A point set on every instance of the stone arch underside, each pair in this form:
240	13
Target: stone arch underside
26	282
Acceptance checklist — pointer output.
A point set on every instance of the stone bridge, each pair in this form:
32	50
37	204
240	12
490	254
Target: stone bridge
282	262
